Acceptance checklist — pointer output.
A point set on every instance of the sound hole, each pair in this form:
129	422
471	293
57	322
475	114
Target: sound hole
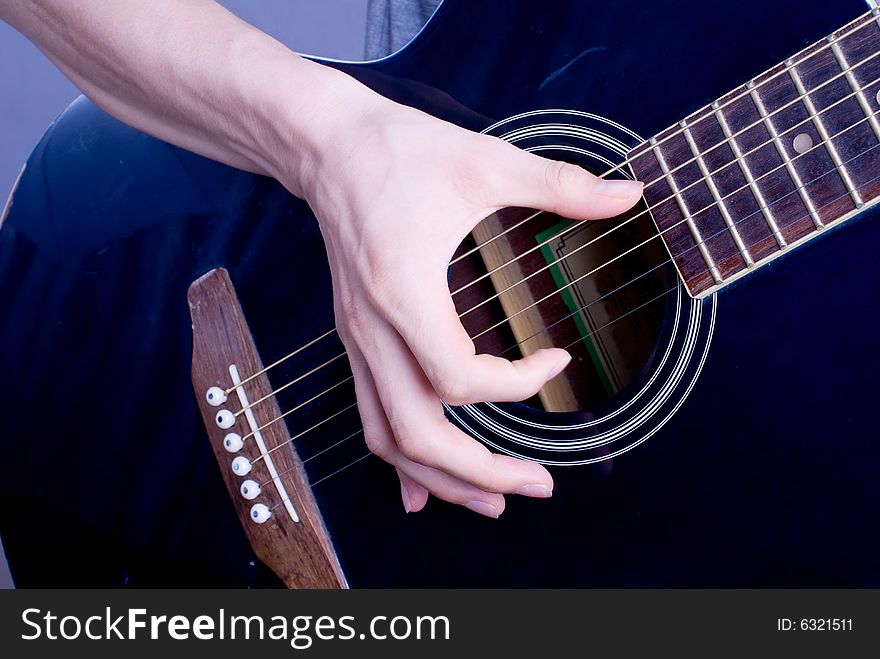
598	289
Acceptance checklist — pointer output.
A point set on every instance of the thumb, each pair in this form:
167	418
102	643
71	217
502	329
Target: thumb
531	181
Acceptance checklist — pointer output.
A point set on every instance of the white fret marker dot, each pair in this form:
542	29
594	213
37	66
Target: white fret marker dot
803	143
878	97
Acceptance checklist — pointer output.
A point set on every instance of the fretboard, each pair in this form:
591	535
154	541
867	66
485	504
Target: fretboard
771	164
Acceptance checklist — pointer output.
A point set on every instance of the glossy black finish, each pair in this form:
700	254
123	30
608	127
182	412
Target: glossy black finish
767	476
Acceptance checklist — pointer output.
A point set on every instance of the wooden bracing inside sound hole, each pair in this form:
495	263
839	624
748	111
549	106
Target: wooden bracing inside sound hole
594	288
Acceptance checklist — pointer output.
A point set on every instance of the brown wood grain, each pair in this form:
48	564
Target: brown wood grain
302	553
775	197
519	306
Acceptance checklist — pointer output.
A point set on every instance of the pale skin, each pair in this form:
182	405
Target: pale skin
193	74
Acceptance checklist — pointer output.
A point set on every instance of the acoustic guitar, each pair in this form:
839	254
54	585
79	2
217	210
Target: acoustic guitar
178	410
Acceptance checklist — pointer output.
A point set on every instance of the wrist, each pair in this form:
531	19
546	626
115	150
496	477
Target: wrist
305	112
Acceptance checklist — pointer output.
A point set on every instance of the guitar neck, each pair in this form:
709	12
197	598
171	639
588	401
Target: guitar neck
771	164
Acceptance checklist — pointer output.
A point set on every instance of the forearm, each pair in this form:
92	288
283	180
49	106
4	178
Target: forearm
191	73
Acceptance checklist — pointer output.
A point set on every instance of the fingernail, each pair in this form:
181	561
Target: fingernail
404	494
556	370
620	189
536	490
482	508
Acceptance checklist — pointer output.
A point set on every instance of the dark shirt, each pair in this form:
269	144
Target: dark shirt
391	24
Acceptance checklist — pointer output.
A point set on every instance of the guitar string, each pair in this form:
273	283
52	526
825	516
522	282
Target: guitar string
547	329
696	246
705	240
727	103
312	457
584	307
289	384
370	453
299	406
337	472
323	451
619	256
599	329
722	231
505	351
618	167
698	181
702	179
290	440
277	362
501	354
360	431
725	230
654	206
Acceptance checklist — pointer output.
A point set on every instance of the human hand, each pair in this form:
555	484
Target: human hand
395	193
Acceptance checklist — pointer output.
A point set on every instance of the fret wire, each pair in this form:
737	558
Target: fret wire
820	126
589	304
746	170
856	89
716	107
780	149
683	207
599	329
627	161
846	32
762	209
659	235
716	195
615	320
814	233
740	160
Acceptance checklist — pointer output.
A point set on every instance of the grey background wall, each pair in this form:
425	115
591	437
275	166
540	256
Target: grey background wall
33	92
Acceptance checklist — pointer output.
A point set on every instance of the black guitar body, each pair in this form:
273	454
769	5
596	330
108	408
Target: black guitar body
767	475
